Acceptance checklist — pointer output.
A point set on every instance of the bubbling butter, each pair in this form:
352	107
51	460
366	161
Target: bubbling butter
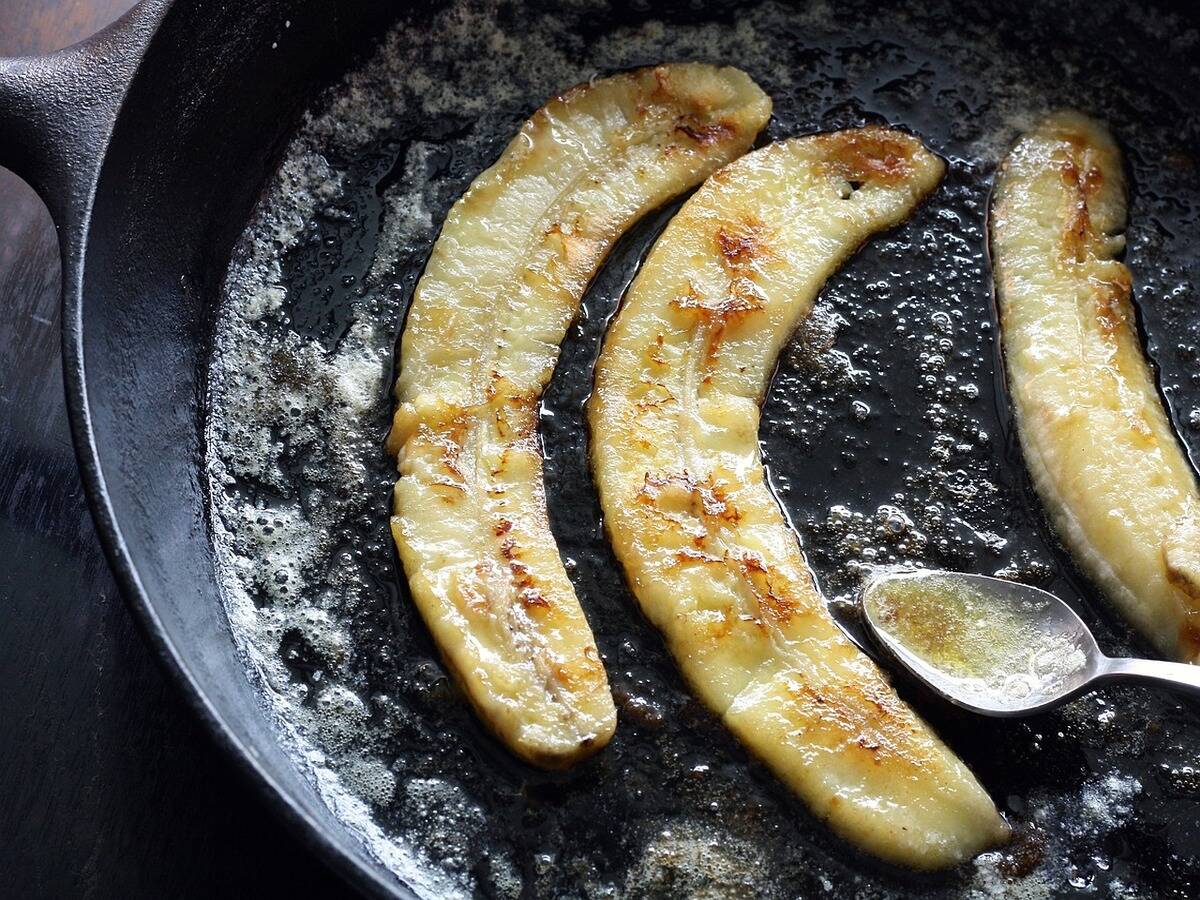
987	648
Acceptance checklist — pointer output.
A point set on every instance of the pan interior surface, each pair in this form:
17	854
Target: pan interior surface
886	433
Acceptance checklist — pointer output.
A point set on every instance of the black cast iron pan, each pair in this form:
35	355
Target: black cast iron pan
151	144
148	143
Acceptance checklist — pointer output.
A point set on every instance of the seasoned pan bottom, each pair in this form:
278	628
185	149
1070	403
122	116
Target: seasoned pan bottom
886	433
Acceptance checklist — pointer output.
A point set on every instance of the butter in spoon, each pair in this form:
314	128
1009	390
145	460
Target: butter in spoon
997	647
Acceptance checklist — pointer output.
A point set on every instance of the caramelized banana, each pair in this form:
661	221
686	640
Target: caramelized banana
503	283
1099	446
705	546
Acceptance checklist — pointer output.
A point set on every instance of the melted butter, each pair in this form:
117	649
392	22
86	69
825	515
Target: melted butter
987	648
300	405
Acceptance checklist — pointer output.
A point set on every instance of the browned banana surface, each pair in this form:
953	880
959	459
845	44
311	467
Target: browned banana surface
504	281
705	546
1096	437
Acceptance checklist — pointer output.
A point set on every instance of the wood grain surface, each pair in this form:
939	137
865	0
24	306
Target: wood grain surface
108	788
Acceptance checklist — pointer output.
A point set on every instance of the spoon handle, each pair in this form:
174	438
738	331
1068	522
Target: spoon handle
1183	677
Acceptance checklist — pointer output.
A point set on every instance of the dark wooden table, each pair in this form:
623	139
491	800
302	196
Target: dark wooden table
108	788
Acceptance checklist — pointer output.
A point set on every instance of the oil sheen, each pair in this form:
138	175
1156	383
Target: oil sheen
885	431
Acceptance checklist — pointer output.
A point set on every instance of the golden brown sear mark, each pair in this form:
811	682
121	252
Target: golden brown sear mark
449	441
742	300
689	556
654	352
1077	148
575	249
864	716
1081	243
1078	234
775	602
1112	293
705	499
588	670
742	243
870	154
1113	308
527	591
706	134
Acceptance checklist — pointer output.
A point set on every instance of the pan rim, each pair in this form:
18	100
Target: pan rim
367	880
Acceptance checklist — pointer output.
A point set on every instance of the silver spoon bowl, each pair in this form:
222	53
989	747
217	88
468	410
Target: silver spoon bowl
1016	650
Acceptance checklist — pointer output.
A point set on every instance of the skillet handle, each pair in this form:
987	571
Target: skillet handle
57	112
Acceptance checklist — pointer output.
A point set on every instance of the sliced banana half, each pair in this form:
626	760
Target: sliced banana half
503	283
1096	437
707	549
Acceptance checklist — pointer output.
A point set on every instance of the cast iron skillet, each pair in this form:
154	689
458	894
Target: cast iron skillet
150	143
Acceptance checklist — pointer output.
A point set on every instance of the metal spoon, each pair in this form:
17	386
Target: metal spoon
1029	650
